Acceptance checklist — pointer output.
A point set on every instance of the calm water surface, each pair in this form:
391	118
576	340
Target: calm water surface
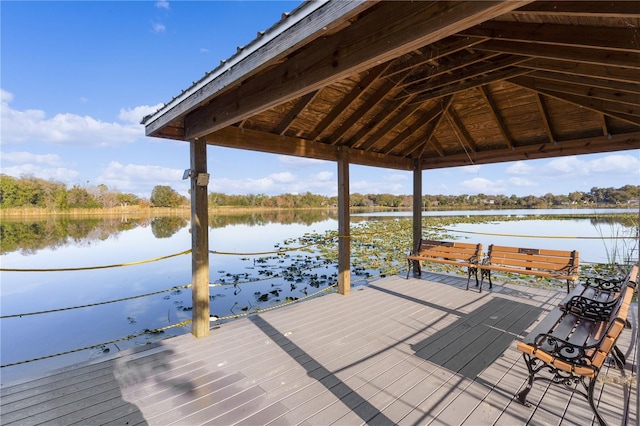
73	244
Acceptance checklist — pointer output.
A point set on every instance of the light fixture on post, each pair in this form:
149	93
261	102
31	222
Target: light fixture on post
188	173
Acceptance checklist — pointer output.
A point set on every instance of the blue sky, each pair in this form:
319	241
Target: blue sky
77	77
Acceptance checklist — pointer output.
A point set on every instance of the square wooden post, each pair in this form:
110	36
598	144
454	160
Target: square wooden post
417	207
199	240
344	227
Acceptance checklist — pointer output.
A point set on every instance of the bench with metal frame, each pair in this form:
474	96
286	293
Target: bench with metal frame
558	264
449	253
571	344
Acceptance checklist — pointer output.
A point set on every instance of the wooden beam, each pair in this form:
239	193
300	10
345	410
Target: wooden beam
390	29
371	76
461	132
591	81
592	145
344	227
199	242
422	120
606	72
622	112
402	112
233	137
293	112
557	36
432	52
573	54
447	66
455	87
484	90
615	96
546	118
598	9
376	98
464	75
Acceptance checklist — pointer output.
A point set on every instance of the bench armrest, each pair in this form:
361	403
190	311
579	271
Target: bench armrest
605	284
563	350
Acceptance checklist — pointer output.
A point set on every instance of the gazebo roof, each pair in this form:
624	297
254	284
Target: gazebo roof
428	83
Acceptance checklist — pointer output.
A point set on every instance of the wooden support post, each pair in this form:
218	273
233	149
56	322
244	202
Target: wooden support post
344	231
417	208
199	240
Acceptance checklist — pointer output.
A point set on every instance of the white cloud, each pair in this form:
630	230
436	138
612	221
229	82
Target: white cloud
482	185
565	165
136	114
519	168
28	157
162	4
615	164
62	129
284	177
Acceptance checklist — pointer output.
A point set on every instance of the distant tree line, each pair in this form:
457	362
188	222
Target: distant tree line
30	191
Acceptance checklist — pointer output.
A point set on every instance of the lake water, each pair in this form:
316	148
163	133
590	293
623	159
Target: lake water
245	273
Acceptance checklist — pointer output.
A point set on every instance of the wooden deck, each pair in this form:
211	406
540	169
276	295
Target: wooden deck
408	352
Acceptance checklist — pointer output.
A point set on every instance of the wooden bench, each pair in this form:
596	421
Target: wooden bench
571	344
449	253
541	262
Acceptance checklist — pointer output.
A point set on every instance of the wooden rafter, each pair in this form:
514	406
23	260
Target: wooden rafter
550	35
546	119
629	114
302	103
420	123
371	76
461	132
496	115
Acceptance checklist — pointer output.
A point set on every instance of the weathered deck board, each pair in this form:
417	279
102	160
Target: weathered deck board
417	351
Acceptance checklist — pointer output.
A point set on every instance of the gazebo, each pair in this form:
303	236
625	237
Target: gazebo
412	86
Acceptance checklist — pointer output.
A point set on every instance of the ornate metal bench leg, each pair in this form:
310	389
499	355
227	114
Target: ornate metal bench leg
618	357
592	385
522	395
409	270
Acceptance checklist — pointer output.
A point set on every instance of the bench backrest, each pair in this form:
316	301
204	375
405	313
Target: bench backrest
563	261
618	319
450	250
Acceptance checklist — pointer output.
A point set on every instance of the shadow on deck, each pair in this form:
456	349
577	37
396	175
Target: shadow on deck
416	351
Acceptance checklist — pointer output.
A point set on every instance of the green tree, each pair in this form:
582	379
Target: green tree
165	196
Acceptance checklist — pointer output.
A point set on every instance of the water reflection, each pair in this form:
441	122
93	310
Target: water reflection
28	236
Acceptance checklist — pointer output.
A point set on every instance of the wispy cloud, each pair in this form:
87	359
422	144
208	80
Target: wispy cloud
162	4
481	185
23	157
135	115
158	28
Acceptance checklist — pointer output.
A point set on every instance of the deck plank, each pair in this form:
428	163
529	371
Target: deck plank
399	351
